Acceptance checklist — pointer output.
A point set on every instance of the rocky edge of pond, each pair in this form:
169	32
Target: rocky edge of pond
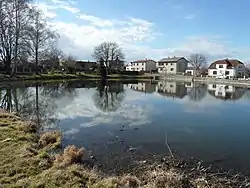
32	159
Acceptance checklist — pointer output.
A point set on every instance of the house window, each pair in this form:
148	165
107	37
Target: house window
171	63
137	64
172	69
226	87
166	63
137	68
171	85
214	72
220	66
142	69
142	64
227	72
161	69
214	86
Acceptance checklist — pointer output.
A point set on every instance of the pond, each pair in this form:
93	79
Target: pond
124	123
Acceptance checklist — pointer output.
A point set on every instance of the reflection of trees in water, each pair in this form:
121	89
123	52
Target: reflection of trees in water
197	92
109	96
58	90
29	103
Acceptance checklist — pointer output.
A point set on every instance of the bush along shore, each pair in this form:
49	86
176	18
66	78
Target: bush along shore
32	159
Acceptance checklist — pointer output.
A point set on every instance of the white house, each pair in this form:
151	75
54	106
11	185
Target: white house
142	65
227	68
172	65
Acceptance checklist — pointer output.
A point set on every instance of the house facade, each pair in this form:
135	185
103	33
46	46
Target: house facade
172	65
147	65
227	68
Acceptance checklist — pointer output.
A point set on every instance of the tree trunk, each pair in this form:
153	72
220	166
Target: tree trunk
37	105
36	60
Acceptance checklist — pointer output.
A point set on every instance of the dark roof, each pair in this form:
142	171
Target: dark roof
142	61
230	63
91	62
171	59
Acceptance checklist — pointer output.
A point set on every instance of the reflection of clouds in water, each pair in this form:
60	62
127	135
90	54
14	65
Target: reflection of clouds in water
82	105
205	105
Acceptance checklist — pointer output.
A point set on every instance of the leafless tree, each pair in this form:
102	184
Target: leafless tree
197	61
14	17
39	35
111	53
52	56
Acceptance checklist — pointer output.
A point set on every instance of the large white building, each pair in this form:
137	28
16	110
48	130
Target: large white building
227	68
142	65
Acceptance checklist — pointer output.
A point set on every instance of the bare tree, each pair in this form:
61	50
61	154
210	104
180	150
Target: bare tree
14	16
197	61
52	56
111	53
39	35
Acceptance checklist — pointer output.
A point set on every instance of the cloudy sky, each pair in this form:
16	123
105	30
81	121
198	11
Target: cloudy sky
152	28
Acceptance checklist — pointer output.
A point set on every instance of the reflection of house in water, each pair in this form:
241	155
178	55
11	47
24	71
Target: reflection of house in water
143	87
225	92
171	89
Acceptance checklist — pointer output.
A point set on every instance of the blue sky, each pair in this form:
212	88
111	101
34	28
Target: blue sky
153	29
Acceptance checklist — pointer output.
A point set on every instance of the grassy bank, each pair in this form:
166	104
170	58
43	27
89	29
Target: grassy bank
70	77
29	160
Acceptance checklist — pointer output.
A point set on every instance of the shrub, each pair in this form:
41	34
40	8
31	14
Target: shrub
71	155
51	139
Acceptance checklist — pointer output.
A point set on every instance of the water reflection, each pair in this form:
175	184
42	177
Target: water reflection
94	114
171	89
226	92
197	92
146	87
108	96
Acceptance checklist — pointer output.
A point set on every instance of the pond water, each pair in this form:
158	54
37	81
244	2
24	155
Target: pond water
122	123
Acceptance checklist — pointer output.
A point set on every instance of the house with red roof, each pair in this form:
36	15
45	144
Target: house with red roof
227	68
146	65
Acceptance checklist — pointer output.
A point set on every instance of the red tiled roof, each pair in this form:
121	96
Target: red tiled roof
230	63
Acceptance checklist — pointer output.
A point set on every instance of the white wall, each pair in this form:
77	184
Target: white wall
221	72
142	66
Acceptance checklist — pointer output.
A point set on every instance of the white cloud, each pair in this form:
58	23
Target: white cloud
48	10
66	5
135	36
96	21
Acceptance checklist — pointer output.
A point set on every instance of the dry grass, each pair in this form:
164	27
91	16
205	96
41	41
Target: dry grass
71	155
50	139
26	161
